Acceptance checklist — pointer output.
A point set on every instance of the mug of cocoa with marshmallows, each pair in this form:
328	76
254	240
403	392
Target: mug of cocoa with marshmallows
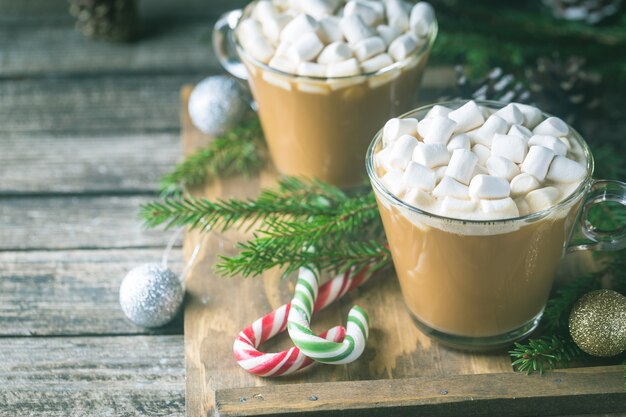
480	201
326	74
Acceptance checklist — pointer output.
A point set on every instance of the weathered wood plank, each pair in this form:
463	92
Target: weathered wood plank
92	376
598	389
75	223
86	164
47	293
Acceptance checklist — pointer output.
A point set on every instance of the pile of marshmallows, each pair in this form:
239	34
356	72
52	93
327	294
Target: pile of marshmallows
457	164
325	38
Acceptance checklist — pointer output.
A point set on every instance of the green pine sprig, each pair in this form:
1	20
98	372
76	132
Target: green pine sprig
239	151
547	352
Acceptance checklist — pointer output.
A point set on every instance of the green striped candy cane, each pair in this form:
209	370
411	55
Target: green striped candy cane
313	346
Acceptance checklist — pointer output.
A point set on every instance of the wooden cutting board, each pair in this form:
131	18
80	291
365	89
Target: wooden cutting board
402	370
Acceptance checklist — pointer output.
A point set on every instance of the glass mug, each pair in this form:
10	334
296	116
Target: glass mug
478	284
320	127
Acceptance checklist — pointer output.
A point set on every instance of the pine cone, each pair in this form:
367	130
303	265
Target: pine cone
495	86
112	20
588	11
564	87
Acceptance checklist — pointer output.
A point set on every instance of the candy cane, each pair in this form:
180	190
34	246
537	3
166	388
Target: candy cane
266	327
316	347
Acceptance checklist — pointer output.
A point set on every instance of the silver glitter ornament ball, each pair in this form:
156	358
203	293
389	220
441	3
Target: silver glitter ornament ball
150	295
217	104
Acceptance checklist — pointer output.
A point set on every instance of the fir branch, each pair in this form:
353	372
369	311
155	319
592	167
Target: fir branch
547	352
239	151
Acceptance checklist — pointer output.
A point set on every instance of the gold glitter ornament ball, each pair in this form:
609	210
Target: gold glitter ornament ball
597	323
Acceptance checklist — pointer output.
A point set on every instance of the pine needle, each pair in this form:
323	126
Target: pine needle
547	352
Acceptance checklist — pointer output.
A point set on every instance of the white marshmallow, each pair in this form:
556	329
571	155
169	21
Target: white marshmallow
532	115
452	205
418	198
397	15
394	128
264	10
402	151
431	154
259	47
440	172
537	162
381	158
438	110
329	30
484	134
277	80
368	47
283	64
520	130
311	69
565	170
368	14
345	68
423	126
511	114
393	181
376	63
542	198
388	33
522	206
418	176
550	142
499	166
273	26
316	8
421	19
283	49
439	130
300	25
335	52
449	187
402	47
461	141
552	126
488	187
462	165
511	147
499	208
306	48
249	28
354	29
523	184
482	152
467	117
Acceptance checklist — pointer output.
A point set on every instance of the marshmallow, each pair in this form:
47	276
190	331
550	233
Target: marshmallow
249	28
306	48
461	141
345	68
451	205
440	172
421	19
537	162
467	117
482	152
480	170
488	187
423	126
283	49
368	47
520	131
381	158
397	15
438	110
376	63
523	184
273	26
283	64
542	198
394	128
439	130
311	69
522	206
402	47
401	151
511	114
565	170
431	154
259	47
418	198
354	29
368	14
418	176
264	10
484	134
532	115
461	166
329	30
499	166
393	181
552	126
449	187
511	147
335	52
277	80
316	8
388	33
300	25
499	208
550	142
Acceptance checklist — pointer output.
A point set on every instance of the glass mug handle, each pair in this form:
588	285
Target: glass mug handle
594	238
224	44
